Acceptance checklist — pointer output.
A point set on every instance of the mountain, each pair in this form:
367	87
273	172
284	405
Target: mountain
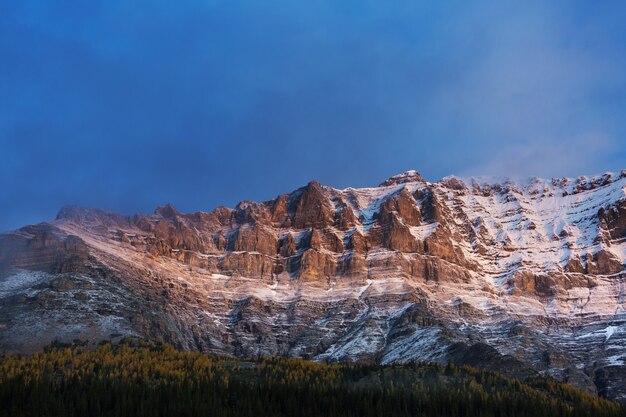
522	277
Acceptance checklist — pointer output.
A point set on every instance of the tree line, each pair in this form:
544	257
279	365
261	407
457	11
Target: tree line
143	379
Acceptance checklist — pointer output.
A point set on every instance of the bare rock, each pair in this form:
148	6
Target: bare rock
397	236
604	262
345	218
614	218
406	177
574	264
315	265
314	209
357	242
251	212
404	205
440	244
279	213
288	246
256	238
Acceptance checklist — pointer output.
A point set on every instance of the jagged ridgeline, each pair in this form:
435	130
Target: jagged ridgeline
521	277
142	379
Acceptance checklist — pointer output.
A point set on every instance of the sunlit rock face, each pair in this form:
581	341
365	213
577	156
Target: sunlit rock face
518	276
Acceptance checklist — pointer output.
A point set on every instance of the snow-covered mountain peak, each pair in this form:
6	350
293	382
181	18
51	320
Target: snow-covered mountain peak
534	185
403	178
495	272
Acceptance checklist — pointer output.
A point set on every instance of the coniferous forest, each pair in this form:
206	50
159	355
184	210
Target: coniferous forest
137	378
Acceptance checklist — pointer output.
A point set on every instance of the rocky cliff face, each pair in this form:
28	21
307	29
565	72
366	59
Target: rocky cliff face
520	277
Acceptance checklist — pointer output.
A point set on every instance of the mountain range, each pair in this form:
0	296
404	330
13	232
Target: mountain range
523	277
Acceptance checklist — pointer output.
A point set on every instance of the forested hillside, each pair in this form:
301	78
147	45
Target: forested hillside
141	379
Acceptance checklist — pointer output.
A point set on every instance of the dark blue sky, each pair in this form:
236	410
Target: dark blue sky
127	105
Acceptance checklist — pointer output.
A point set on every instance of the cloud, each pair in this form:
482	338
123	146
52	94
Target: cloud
573	157
128	105
536	88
